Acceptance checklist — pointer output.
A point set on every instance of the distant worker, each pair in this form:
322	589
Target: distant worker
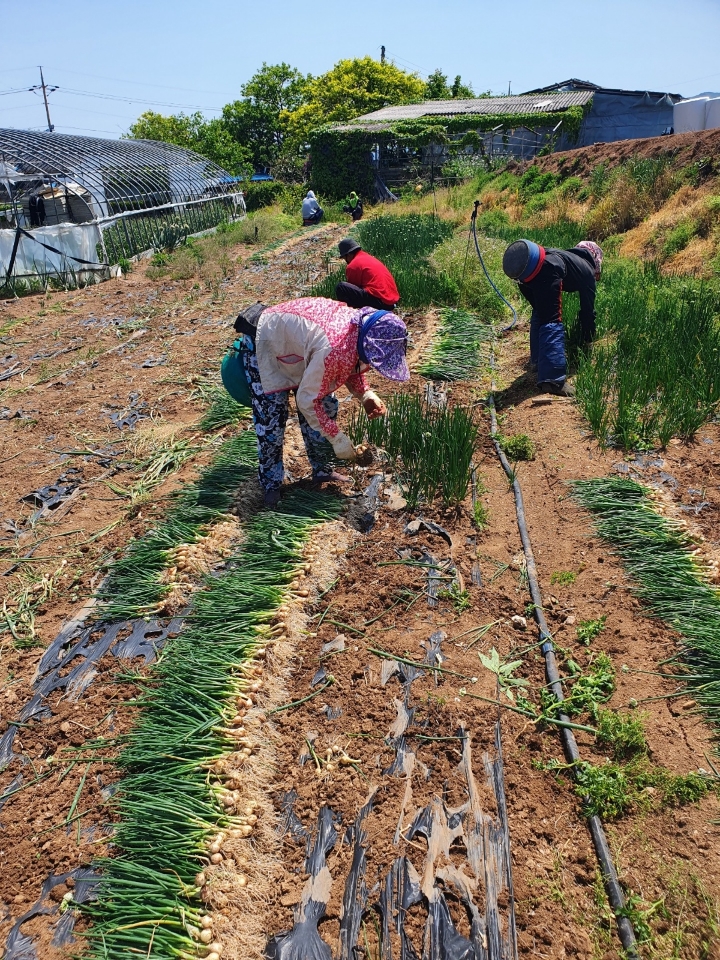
312	346
368	282
542	276
354	206
312	212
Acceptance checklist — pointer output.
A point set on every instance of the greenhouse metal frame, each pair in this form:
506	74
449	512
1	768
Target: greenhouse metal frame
74	204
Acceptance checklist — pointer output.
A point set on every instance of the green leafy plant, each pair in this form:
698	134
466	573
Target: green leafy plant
460	599
562	578
587	689
481	515
588	630
622	732
504	672
517	447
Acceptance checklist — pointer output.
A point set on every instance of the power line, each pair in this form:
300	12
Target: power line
4	93
140	83
154	103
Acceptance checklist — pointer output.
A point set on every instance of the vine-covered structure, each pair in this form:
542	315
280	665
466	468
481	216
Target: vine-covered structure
395	144
79	204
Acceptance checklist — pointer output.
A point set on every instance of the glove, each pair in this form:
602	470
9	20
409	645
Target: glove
343	447
374	407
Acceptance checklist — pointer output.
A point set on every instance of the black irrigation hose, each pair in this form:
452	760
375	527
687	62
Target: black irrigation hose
473	231
597	831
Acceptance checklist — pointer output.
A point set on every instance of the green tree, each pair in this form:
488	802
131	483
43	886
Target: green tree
259	120
436	86
210	138
350	89
460	90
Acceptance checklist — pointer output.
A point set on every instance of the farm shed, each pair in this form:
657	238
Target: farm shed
617	114
397	143
75	205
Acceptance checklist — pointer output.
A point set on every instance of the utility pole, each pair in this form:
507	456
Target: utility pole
382	54
509	82
46	89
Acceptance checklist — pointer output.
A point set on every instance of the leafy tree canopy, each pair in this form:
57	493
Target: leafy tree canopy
211	138
350	89
257	121
437	88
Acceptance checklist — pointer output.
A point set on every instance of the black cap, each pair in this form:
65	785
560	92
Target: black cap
348	245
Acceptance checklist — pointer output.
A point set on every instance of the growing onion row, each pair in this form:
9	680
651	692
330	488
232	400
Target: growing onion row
457	349
168	809
134	587
659	555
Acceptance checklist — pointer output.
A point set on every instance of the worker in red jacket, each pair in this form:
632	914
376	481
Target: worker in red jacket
368	282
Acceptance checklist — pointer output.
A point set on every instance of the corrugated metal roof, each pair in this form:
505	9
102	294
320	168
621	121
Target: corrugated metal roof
481	106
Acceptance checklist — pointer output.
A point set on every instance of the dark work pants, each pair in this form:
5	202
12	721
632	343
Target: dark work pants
357	297
315	218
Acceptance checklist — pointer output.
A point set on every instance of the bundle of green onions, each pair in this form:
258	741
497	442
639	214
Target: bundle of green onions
458	350
147	898
659	555
133	586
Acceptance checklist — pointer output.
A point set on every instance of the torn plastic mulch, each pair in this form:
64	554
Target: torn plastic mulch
21	947
50	497
69	664
485	894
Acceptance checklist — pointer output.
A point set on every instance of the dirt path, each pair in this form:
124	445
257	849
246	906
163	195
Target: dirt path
670	858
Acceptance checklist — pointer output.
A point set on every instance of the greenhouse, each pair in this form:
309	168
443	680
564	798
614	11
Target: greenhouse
76	206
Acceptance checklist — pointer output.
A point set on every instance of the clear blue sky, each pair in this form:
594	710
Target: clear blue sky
184	55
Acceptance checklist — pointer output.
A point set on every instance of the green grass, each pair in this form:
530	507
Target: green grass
431	448
658	555
459	349
165	805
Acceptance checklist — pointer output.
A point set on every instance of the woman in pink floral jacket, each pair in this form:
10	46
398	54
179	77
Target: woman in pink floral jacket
313	346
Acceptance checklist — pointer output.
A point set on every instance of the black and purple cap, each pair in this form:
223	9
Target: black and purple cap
523	260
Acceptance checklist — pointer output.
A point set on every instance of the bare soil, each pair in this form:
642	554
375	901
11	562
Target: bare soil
682	149
669	857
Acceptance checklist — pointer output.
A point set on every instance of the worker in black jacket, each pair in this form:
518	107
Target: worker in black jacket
542	275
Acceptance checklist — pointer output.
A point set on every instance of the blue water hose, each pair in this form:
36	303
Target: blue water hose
473	228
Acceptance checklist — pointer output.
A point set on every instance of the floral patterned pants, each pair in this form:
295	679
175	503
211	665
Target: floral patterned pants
270	414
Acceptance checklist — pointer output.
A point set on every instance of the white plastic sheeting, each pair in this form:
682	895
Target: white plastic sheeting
712	113
689	115
74	239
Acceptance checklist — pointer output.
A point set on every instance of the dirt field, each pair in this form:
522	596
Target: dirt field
137	349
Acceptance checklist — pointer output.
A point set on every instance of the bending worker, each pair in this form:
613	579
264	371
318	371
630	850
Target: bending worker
312	212
368	282
542	275
312	346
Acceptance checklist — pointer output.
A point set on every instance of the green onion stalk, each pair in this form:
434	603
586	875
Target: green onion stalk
661	557
133	587
148	902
